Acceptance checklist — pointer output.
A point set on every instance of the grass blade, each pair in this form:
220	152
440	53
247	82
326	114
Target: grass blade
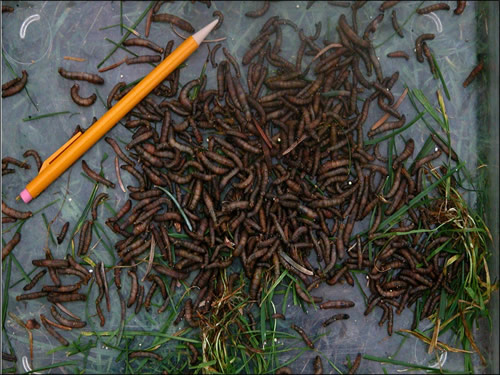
441	78
32	118
178	207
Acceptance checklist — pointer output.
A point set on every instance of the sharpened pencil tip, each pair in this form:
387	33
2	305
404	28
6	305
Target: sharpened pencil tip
200	35
18	198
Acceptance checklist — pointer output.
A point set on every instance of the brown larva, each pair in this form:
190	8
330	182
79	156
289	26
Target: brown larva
259	12
304	336
81	101
433	8
95	176
16	85
174	20
81	76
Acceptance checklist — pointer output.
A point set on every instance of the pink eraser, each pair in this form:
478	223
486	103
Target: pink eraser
26	196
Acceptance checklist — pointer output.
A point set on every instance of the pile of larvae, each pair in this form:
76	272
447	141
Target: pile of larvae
269	177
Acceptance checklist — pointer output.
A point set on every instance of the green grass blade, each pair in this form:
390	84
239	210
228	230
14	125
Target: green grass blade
183	214
441	78
32	118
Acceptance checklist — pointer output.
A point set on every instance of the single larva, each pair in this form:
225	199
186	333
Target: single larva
397	54
113	92
355	364
29	296
334	318
304	336
407	152
444	147
149	296
433	8
81	76
145	354
81	101
473	74
6	250
318	365
428	55
36	156
34	280
284	371
395	24
61	289
15	86
55	297
426	159
460	7
97	201
139	42
83	243
95	176
259	12
56	263
387	4
174	20
143	59
336	304
139	299
6	210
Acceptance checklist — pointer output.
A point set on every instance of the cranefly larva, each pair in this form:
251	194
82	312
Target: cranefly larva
396	54
139	42
460	7
14	86
174	20
34	280
259	12
81	76
143	59
6	210
355	364
433	8
7	249
477	69
95	176
36	156
304	336
84	102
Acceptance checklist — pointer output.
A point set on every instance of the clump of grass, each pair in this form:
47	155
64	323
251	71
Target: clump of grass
470	236
224	326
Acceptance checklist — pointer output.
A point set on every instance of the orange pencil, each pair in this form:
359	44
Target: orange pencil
72	150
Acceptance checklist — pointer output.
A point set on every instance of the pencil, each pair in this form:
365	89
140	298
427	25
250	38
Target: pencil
76	147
